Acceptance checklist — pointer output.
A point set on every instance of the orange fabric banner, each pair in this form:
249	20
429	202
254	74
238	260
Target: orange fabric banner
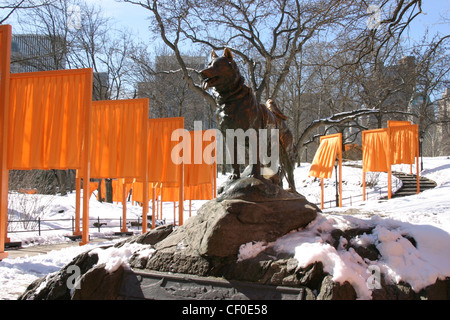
395	123
376	150
161	168
118	138
348	147
198	192
117	186
198	177
198	173
137	194
47	119
170	193
92	187
326	155
404	144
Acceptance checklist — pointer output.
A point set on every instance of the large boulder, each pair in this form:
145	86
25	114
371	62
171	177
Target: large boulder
248	210
208	244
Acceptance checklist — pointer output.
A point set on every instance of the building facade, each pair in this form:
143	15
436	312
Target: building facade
32	52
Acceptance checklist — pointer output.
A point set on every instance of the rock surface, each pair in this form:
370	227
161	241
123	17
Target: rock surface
208	244
248	210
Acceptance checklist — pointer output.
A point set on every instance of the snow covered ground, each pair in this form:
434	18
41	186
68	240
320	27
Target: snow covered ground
425	216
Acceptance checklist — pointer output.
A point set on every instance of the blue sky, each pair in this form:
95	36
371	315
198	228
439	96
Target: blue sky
134	17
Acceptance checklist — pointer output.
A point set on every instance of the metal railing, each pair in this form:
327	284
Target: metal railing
42	225
379	193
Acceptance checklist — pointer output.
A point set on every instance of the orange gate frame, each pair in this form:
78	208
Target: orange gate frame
161	168
21	114
5	58
119	148
324	159
399	143
199	175
395	123
50	123
376	155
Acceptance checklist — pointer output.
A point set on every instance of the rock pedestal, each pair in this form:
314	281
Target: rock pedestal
199	260
247	210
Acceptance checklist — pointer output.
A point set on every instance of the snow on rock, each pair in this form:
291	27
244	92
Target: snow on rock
114	257
251	250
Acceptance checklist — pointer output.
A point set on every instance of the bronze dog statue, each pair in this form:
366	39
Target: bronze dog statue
237	108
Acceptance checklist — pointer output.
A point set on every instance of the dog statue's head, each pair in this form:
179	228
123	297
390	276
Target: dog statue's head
221	73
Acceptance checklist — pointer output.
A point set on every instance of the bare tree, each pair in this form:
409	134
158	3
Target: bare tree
268	37
92	42
9	7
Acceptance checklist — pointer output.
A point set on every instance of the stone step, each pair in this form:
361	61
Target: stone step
153	285
409	184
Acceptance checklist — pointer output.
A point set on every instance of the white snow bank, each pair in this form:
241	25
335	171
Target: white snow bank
399	261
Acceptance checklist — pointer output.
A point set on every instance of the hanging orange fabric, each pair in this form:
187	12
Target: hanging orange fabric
325	157
161	168
404	144
138	192
199	192
118	138
47	113
198	173
117	186
102	192
170	193
92	187
329	150
376	150
395	123
5	58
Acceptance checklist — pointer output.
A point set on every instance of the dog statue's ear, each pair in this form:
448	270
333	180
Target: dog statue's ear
213	54
228	54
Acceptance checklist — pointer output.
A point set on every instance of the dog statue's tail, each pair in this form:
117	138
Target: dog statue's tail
272	106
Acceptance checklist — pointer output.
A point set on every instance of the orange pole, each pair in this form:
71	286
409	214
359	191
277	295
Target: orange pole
145	207
190	207
389	182
145	164
389	164
160	203
215	179
124	206
174	214
77	231
157	207
340	173
154	203
364	185
86	161
321	193
417	165
181	197
5	56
